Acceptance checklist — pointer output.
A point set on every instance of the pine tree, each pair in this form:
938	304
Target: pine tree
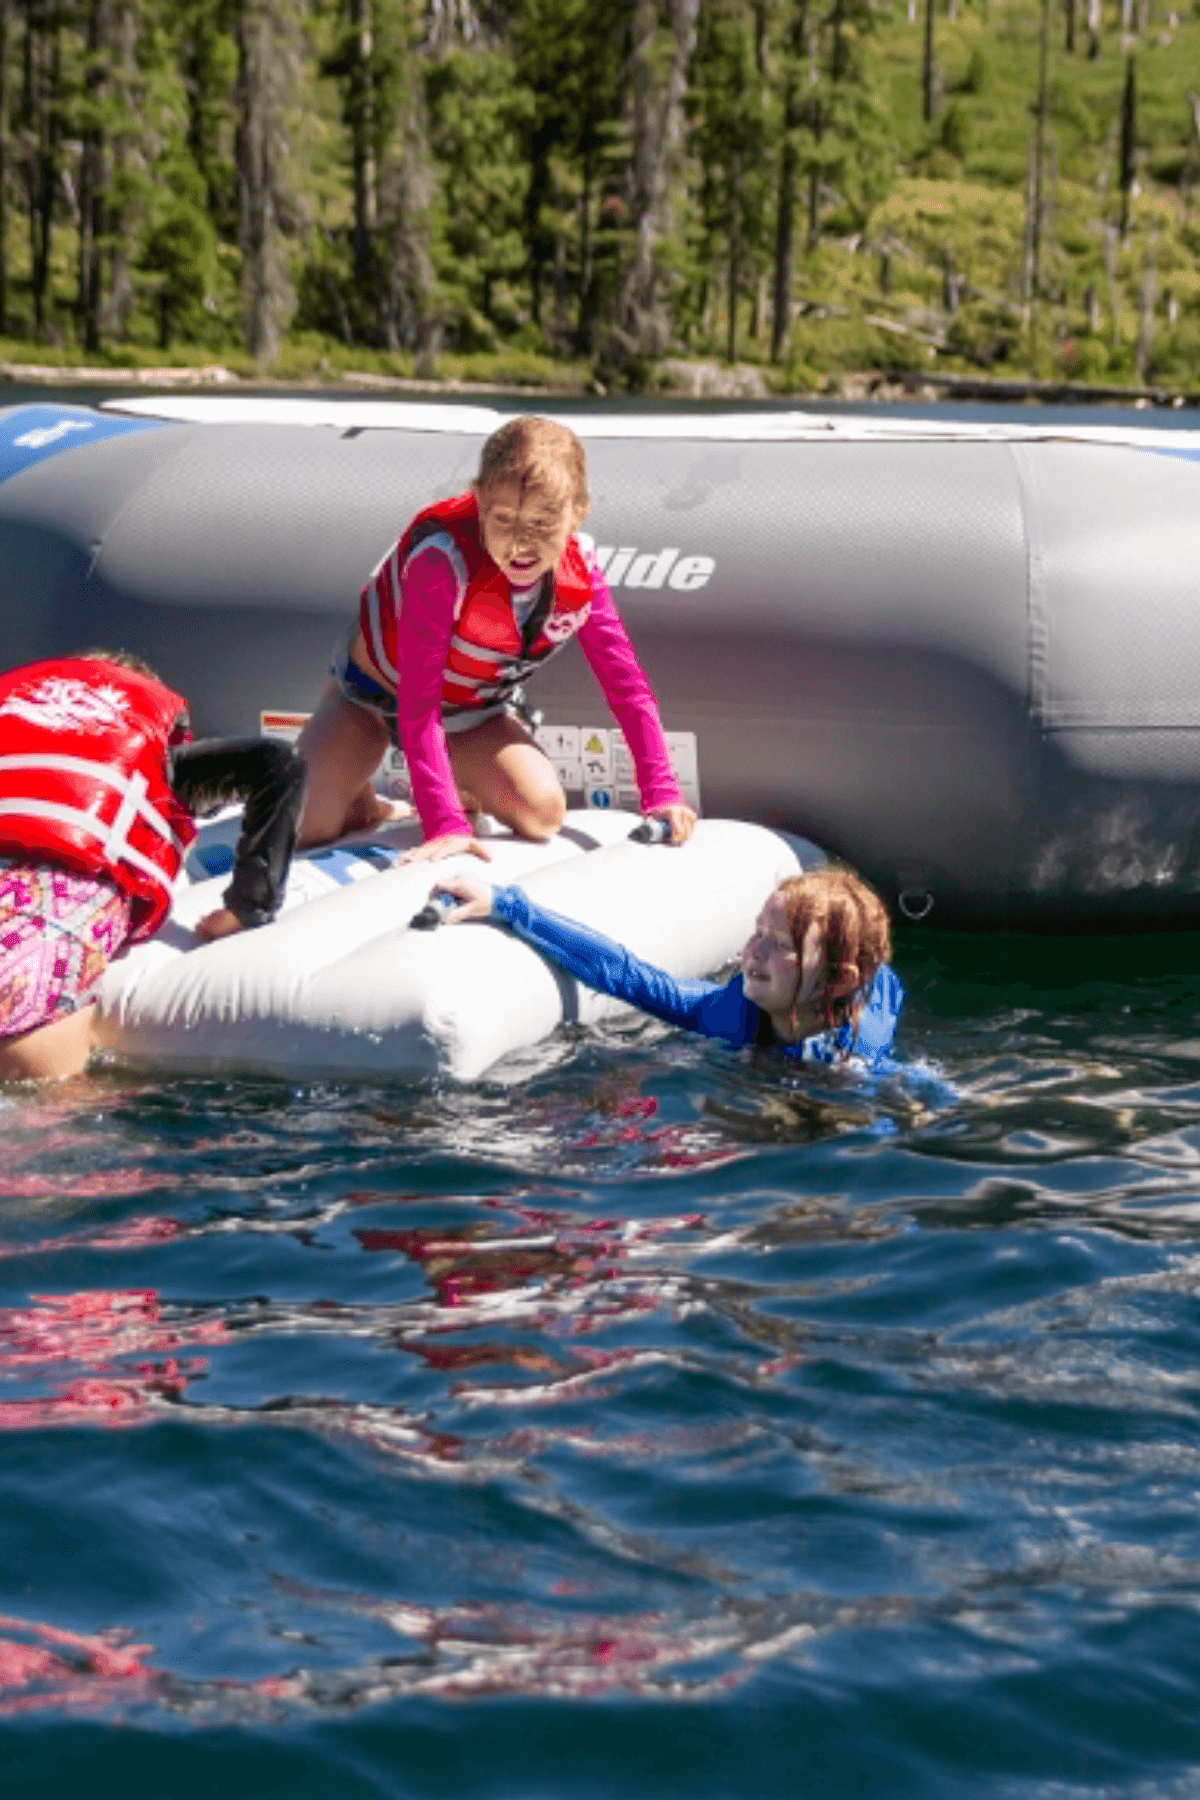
846	139
267	74
660	56
793	68
1128	141
93	170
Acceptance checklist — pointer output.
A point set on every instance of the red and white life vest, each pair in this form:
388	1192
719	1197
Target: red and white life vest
83	777
488	654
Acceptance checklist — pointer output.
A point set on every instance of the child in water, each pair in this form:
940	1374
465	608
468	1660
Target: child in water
815	982
477	593
97	785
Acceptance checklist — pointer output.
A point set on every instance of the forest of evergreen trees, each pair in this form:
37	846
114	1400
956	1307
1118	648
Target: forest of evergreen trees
805	183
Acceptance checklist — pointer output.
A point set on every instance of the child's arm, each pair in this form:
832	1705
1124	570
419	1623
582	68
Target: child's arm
271	778
430	589
605	643
610	968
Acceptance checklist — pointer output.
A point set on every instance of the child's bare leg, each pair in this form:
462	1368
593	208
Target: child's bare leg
506	774
342	744
51	1052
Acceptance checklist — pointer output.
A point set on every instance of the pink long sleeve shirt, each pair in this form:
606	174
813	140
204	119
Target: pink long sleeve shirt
428	590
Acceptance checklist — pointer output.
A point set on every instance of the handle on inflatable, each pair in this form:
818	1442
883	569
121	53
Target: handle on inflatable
650	831
433	911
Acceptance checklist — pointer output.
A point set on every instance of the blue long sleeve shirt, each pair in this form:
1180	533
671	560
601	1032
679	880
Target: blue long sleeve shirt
705	1006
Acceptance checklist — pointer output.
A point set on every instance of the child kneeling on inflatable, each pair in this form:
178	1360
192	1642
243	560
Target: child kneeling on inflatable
477	594
815	982
98	782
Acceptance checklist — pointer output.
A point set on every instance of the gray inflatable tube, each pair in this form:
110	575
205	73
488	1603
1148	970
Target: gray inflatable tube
966	661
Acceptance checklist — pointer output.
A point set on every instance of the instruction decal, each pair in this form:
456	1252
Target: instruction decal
593	763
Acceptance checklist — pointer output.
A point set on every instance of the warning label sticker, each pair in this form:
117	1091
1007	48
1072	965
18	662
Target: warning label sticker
594	762
286	725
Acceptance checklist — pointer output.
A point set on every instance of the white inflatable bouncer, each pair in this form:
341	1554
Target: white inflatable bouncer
342	984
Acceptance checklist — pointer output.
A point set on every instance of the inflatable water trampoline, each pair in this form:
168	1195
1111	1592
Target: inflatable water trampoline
341	983
965	659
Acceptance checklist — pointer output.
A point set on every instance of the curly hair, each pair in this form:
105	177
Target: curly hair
854	928
536	453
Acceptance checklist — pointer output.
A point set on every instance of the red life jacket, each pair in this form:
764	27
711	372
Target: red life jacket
489	656
83	777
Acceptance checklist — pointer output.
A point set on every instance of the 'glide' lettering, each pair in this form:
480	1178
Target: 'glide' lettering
629	567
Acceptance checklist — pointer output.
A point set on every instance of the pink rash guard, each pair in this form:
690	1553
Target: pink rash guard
428	594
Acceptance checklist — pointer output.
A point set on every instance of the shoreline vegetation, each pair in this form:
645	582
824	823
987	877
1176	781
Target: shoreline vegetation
680	381
723	200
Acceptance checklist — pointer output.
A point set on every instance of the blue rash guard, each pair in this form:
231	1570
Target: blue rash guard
703	1006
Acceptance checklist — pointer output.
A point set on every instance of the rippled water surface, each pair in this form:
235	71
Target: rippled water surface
647	1423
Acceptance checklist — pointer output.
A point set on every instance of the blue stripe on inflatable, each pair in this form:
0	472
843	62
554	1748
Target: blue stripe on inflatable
1179	455
29	434
345	866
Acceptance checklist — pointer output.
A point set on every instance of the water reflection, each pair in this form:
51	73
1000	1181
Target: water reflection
659	1374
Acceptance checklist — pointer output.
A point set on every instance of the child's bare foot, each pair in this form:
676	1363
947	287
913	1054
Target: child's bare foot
369	810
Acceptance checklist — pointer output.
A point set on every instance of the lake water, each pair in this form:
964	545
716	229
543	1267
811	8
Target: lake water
656	1425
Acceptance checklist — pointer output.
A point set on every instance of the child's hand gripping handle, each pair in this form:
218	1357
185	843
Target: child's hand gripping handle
434	910
453	902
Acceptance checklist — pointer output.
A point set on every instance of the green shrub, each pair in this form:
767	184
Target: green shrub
956	130
979	76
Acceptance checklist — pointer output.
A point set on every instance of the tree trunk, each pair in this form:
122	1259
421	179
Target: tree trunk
92	175
930	74
406	279
735	254
785	217
583	310
46	71
120	279
1149	299
1038	197
1027	248
1110	278
536	243
360	110
1128	142
789	166
264	76
658	87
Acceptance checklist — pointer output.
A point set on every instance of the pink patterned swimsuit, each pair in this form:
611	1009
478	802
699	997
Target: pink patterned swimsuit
58	933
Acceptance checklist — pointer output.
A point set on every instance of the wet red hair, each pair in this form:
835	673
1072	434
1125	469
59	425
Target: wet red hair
854	928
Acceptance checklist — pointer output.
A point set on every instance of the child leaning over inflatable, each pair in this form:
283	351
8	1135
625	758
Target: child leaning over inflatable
477	593
815	981
97	784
